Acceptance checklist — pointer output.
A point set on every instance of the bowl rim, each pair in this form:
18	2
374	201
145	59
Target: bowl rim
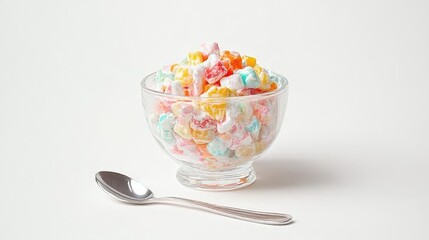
281	89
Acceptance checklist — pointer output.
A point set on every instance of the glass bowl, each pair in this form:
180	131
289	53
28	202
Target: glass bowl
215	139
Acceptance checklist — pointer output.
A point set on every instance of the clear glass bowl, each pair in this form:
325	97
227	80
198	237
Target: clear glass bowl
215	155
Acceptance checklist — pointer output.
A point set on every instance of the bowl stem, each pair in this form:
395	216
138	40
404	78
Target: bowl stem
235	178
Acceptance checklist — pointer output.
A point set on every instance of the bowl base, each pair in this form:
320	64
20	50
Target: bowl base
239	177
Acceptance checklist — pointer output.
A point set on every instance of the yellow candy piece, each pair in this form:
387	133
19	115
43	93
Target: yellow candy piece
184	75
245	151
195	58
207	87
265	80
183	130
181	109
215	91
216	108
260	147
258	69
249	61
202	136
176	108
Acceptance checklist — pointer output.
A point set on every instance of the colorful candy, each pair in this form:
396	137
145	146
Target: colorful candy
249	61
254	127
183	130
195	58
231	114
215	125
232	61
245	151
165	125
201	136
209	48
249	77
218	147
176	88
198	80
233	82
214	73
183	75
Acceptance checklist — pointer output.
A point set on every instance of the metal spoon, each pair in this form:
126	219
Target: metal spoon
130	191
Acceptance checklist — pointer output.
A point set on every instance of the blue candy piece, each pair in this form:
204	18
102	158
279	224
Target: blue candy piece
165	128
274	77
249	77
167	136
217	147
254	127
166	121
162	75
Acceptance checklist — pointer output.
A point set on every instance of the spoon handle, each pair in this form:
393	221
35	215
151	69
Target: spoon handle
242	214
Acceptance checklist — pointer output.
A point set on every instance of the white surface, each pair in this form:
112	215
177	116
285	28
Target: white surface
350	162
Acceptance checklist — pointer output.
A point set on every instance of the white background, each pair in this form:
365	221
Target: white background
351	161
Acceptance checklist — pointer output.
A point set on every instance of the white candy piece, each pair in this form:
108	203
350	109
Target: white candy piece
240	138
211	60
233	110
176	88
210	48
225	126
161	85
230	117
232	82
197	76
167	121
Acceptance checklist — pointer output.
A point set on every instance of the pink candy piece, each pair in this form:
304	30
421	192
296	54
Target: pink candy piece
183	143
214	73
211	60
206	123
186	147
262	112
176	150
209	48
240	137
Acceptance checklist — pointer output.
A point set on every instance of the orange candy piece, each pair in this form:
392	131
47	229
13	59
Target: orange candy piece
249	61
208	86
232	61
163	107
202	148
173	67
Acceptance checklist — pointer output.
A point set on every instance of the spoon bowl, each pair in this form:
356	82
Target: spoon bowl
123	187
